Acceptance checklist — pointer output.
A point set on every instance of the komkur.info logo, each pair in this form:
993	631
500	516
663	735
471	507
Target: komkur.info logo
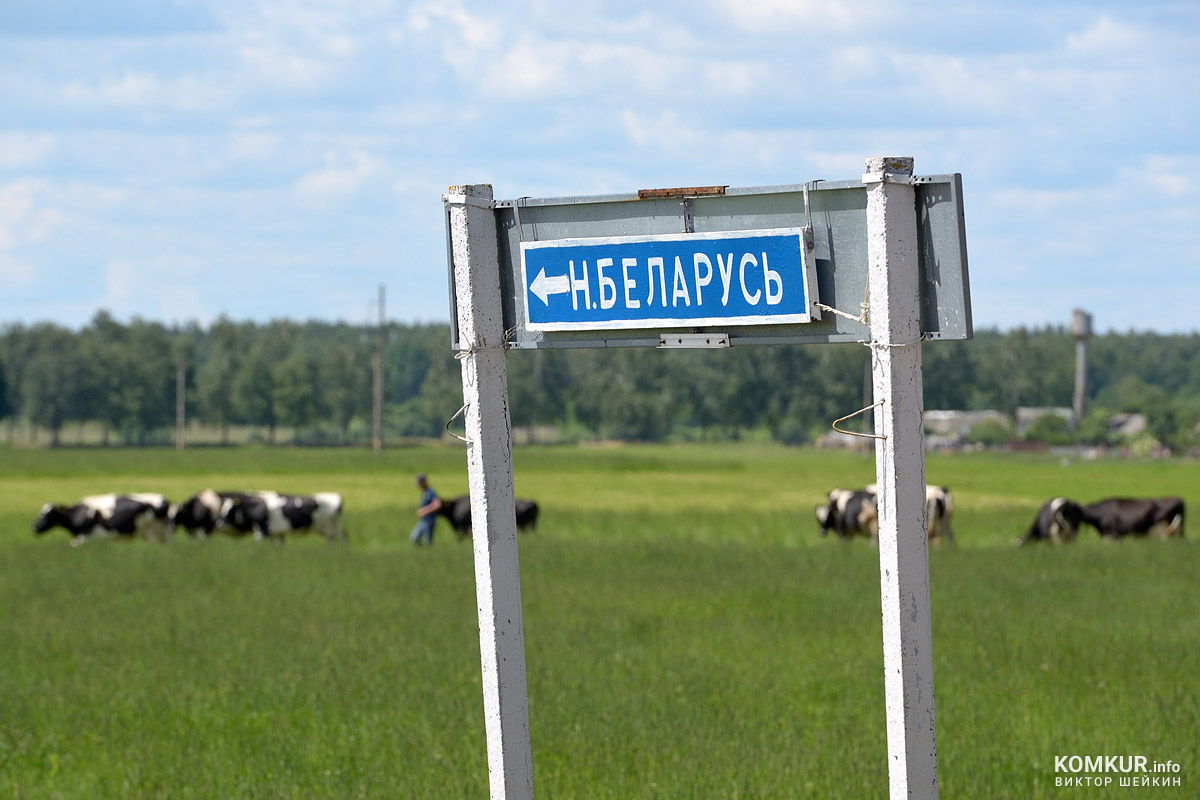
1128	770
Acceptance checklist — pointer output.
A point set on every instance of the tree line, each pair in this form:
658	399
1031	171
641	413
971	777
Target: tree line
316	378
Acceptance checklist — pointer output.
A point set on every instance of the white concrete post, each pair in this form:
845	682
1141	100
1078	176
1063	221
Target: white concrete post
900	473
490	478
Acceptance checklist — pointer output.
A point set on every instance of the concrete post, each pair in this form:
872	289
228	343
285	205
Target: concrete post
473	246
895	313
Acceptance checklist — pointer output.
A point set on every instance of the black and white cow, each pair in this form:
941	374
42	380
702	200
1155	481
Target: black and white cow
1115	517
108	515
272	516
850	513
198	514
939	510
458	511
1057	521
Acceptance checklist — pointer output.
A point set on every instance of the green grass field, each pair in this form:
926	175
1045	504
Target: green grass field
688	633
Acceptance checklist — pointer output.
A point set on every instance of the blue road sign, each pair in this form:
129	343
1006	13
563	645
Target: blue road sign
669	281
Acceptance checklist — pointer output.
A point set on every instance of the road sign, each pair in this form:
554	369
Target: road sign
740	278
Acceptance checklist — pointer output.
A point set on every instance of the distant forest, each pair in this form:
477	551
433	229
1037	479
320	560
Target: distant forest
315	378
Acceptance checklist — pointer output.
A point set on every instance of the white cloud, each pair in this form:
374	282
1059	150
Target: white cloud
664	129
16	200
277	64
529	69
839	166
777	16
156	287
508	58
23	221
20	150
1174	177
342	176
14	272
123	281
1105	38
253	121
141	89
1047	201
253	146
736	78
848	64
473	33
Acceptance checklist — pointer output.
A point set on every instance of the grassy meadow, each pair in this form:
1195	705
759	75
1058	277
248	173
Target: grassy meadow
688	633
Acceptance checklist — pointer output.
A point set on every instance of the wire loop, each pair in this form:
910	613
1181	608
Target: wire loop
457	414
883	345
471	350
864	317
855	414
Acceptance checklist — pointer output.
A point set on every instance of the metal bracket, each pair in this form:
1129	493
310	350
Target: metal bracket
709	341
467	200
810	240
689	217
901	178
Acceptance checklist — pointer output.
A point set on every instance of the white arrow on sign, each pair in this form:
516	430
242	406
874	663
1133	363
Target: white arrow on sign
543	287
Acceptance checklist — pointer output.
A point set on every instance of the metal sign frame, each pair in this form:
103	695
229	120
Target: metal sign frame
895	223
836	211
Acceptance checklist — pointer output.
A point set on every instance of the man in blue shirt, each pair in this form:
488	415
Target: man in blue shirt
428	513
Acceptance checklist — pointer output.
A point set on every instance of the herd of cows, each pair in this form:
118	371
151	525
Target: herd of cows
265	515
270	515
849	512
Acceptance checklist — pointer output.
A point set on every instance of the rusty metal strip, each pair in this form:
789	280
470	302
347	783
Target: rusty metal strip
683	191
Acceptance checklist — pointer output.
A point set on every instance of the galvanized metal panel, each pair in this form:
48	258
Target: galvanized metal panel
836	211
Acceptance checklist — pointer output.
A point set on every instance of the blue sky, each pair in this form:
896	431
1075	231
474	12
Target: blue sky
182	159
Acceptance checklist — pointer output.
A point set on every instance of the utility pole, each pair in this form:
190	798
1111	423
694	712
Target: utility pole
1081	329
180	399
378	394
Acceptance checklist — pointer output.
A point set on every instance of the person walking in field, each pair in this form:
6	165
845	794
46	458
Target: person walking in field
428	513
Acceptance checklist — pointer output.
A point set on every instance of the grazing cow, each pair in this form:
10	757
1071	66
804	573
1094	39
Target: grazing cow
1123	516
527	514
1056	521
939	509
108	515
458	511
272	516
850	513
198	514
